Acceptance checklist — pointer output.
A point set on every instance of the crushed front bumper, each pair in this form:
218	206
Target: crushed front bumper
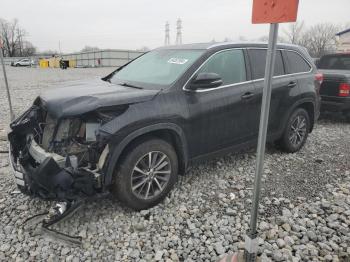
50	176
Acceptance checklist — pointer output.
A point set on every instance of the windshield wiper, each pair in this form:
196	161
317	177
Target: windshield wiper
129	85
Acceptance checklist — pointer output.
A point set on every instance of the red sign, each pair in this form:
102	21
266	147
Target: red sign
274	11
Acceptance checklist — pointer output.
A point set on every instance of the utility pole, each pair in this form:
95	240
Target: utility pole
59	47
167	34
12	115
178	32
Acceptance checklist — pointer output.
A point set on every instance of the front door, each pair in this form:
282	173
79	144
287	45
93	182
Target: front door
219	116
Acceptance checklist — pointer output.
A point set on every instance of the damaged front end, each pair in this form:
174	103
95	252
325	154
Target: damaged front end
55	158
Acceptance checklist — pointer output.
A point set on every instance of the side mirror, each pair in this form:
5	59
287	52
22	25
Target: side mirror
206	80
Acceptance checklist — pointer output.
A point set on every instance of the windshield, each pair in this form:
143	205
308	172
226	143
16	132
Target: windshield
335	62
157	69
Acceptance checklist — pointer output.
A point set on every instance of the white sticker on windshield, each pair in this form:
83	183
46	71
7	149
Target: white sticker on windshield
178	61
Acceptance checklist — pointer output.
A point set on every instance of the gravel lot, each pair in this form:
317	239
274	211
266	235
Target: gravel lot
305	208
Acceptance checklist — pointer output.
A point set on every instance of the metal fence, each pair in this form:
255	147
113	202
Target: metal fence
103	58
98	58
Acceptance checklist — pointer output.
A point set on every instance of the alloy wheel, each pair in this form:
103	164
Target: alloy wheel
150	175
298	131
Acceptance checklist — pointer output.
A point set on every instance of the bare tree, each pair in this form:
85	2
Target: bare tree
265	38
13	37
320	39
294	34
89	48
28	49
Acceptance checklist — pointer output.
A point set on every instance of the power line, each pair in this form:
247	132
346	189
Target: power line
178	32
167	34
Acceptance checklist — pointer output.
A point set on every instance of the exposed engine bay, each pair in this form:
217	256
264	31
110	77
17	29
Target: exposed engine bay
58	158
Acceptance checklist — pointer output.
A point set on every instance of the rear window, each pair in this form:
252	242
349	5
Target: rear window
258	63
297	63
335	62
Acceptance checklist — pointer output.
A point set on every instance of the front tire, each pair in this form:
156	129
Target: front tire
146	174
296	131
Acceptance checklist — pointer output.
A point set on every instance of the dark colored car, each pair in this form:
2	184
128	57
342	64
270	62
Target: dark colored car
135	130
335	89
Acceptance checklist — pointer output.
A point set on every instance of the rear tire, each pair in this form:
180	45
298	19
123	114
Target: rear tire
146	174
296	131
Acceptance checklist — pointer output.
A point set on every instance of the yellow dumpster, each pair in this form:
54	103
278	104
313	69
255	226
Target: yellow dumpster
72	63
43	63
54	62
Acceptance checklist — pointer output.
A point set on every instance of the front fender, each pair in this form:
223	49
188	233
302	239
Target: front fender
119	145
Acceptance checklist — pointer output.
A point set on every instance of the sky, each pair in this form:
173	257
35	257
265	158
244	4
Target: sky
133	24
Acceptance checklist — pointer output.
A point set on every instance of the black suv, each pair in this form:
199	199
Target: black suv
135	130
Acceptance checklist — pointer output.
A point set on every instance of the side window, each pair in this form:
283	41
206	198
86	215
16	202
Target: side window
297	63
229	65
258	63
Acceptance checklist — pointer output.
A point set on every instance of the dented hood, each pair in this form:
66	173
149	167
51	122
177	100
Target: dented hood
83	96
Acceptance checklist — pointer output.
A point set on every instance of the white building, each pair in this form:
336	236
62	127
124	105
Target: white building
344	41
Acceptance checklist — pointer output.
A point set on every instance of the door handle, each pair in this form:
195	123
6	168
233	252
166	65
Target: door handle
247	95
292	84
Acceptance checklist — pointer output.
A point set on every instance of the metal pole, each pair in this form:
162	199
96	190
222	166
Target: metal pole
251	244
12	115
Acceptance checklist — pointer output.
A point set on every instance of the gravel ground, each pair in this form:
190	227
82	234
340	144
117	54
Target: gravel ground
304	212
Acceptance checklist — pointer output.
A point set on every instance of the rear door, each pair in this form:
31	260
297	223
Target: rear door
301	70
282	87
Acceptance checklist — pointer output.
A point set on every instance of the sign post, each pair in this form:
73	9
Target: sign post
272	12
12	115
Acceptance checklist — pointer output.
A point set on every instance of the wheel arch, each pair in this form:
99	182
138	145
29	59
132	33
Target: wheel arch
169	132
308	105
310	109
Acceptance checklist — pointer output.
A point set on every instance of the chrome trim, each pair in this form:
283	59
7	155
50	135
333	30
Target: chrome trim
281	76
215	88
20	182
18	175
245	82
